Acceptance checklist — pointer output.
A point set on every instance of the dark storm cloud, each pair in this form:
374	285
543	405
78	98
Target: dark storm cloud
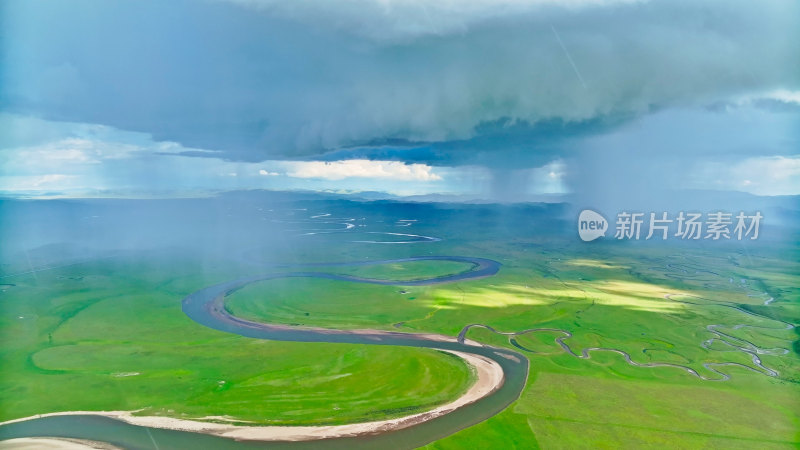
303	79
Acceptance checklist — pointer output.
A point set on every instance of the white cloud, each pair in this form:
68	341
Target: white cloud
780	95
360	168
785	96
133	163
64	154
772	169
47	182
770	175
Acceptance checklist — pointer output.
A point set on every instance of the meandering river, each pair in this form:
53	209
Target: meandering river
206	307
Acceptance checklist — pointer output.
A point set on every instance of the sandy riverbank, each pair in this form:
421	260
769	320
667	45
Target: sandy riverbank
489	378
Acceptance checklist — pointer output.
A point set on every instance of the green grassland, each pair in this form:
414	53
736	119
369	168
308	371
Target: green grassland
653	302
614	297
405	271
111	336
624	297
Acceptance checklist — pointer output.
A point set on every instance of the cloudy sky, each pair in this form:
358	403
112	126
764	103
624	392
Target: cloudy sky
507	99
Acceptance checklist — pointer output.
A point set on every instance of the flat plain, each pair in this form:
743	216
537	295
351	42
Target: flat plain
630	345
